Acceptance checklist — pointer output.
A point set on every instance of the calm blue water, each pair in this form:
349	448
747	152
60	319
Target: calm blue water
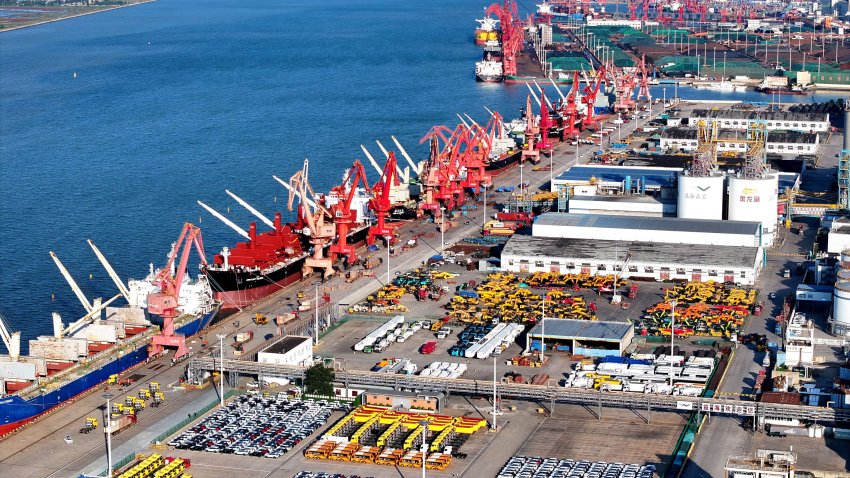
177	100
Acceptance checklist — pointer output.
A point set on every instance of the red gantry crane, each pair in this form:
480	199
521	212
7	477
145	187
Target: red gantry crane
343	216
313	215
165	302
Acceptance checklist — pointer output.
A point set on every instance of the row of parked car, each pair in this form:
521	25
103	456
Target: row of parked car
536	467
257	426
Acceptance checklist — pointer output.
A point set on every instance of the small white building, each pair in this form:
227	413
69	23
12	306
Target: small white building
669	230
649	261
741	119
791	142
289	350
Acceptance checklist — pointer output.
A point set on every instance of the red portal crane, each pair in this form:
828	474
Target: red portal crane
532	128
381	203
643	92
165	302
544	144
589	99
313	215
343	216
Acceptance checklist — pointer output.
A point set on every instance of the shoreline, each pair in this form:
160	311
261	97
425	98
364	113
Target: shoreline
76	15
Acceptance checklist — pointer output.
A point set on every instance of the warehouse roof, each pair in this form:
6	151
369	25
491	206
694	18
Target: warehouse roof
649	253
759	115
706	226
583	329
626	198
652	177
794	137
285	344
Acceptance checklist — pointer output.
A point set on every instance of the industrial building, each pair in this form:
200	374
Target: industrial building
839	320
648	229
733	118
607	179
289	350
581	337
633	259
734	141
622	205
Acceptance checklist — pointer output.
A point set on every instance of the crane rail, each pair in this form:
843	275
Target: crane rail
536	392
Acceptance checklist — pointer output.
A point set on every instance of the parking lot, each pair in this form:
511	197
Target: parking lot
256	426
537	467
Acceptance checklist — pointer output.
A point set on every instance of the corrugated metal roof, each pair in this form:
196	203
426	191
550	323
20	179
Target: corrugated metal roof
669	255
759	115
652	177
708	226
583	329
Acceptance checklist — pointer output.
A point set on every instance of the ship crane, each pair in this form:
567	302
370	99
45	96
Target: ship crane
71	282
343	216
109	270
403	174
313	216
416	169
529	152
643	92
11	339
381	202
225	220
165	302
92	308
252	210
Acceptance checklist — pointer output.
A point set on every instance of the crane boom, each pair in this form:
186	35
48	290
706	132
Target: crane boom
371	159
109	270
297	193
387	155
558	89
251	209
228	222
11	339
74	287
463	121
533	94
406	156
543	95
73	327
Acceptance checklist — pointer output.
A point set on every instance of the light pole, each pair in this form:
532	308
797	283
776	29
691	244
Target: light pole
543	330
221	370
521	176
108	422
424	425
672	336
484	219
389	277
316	317
495	427
442	228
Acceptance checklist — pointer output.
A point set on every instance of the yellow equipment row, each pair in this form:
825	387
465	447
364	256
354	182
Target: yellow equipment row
145	468
501	298
711	292
172	470
554	279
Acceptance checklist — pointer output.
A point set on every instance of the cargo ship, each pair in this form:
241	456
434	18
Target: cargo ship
266	263
487	31
489	71
85	354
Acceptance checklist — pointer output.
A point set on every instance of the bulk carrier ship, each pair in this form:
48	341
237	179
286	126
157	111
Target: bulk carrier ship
87	352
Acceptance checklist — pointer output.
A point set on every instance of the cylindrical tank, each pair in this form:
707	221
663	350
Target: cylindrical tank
700	197
755	199
843	275
841	303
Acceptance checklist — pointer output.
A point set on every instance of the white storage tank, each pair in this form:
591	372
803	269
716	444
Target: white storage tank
844	260
755	199
700	197
841	304
843	275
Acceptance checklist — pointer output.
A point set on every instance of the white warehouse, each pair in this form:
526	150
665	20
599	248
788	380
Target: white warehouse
669	230
741	119
791	142
289	350
649	261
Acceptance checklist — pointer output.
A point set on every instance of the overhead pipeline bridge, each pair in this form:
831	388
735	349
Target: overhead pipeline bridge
534	392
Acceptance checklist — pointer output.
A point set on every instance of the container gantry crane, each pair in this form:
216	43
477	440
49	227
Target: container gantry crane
316	219
343	216
165	302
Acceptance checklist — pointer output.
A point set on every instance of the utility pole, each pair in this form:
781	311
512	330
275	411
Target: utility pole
108	422
221	369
